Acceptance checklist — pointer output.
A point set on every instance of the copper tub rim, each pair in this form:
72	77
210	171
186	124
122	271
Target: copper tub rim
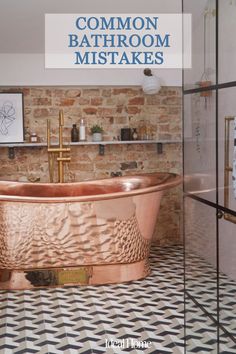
175	180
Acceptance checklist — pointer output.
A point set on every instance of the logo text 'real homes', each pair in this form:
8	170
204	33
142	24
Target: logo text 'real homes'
113	40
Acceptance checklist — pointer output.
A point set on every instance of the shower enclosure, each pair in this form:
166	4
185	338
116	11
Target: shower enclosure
209	101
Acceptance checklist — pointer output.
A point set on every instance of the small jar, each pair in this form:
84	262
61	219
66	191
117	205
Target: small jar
33	138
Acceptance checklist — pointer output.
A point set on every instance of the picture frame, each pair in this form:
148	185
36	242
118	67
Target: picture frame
11	118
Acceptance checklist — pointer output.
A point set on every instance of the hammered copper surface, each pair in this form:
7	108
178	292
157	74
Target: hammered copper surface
73	233
61	235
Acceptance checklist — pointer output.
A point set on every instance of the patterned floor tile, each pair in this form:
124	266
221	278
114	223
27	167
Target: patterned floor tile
201	284
201	331
81	319
227	346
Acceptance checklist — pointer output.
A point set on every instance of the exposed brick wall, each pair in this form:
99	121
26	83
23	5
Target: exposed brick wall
113	108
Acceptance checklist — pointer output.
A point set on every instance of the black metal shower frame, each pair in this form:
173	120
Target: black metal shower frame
218	208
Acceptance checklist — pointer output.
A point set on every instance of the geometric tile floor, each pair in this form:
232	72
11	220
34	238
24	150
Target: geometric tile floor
201	330
201	333
83	319
201	284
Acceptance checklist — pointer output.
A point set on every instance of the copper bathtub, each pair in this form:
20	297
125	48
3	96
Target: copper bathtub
94	232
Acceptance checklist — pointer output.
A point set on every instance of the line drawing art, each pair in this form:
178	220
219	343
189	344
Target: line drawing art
11	117
7	117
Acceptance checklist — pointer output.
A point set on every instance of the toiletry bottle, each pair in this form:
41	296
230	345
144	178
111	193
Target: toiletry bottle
134	134
82	133
74	134
27	135
33	138
142	130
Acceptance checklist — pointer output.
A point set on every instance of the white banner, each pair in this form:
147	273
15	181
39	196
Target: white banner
117	40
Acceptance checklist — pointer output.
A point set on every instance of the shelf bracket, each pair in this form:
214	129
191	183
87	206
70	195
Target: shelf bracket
11	153
159	148
101	150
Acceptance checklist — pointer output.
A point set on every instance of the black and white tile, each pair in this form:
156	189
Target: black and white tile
201	330
202	334
201	284
201	281
80	319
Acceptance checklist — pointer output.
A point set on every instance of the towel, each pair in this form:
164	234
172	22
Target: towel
234	160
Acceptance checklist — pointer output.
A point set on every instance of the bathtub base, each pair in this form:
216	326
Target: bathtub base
70	276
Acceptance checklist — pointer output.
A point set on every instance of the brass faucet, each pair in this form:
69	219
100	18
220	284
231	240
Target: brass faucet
52	151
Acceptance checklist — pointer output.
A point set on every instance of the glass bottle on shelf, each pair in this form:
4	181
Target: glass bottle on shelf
74	134
27	135
142	130
134	134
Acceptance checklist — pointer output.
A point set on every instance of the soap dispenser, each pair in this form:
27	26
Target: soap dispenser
82	130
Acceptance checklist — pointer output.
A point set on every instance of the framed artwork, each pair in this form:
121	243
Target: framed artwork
11	118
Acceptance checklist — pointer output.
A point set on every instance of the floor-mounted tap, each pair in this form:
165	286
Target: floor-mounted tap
59	151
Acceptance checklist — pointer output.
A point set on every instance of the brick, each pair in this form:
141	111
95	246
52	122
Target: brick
133	110
48	93
165	136
172	101
106	111
84	101
66	101
164	118
153	100
59	92
27	111
90	110
119	109
164	128
110	101
39	92
26	92
137	147
73	93
128	165
126	91
96	101
136	101
91	92
107	166
173	110
106	93
42	101
81	167
121	120
41	112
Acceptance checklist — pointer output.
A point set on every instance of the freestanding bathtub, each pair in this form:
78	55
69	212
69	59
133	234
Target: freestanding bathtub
95	232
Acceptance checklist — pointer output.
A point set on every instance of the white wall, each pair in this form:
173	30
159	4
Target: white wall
28	70
22	43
